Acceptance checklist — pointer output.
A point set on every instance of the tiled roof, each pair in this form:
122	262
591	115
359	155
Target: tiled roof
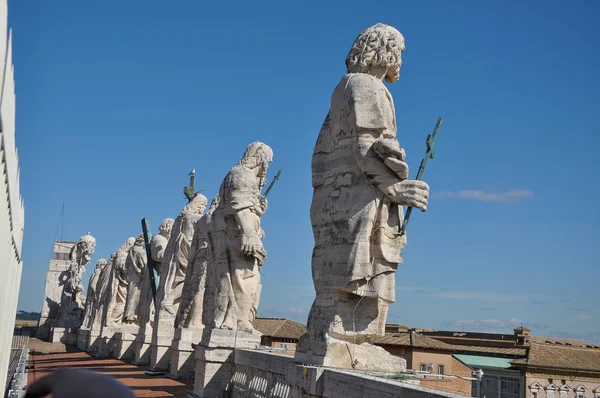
279	327
418	341
562	357
516	351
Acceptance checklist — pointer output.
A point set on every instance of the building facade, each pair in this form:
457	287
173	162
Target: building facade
12	211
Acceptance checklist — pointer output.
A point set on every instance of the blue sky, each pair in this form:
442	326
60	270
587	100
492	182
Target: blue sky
118	100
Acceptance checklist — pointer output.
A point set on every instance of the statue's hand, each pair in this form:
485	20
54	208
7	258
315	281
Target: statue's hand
252	247
261	208
413	193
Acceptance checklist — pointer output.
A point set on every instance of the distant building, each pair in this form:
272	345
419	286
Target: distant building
556	368
421	351
12	211
55	279
280	333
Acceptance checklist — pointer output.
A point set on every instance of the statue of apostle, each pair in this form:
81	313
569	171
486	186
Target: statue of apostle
360	185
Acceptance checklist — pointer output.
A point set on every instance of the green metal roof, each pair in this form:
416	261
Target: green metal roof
477	361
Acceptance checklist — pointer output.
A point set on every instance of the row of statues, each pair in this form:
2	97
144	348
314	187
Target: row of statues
208	264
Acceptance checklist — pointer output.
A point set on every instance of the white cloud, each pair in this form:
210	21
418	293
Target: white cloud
509	197
583	317
296	310
487	325
473	295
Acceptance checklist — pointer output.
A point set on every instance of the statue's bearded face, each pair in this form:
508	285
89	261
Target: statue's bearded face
393	74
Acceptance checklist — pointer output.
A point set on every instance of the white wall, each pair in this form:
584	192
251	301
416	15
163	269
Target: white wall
11	205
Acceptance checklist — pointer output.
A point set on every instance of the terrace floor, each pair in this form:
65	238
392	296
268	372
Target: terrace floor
46	357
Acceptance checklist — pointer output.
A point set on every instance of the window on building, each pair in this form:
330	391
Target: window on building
534	393
440	371
423	367
550	394
580	395
290	341
493	386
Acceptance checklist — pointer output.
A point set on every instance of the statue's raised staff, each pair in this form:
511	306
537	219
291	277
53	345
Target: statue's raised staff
360	181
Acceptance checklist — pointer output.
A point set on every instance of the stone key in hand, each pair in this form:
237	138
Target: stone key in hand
430	142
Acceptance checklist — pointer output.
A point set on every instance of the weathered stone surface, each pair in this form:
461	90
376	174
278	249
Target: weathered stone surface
55	280
183	362
139	303
359	180
91	303
71	307
159	243
214	359
116	289
172	276
190	312
232	296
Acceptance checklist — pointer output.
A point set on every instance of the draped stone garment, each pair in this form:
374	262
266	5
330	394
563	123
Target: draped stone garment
136	267
90	302
175	262
105	289
236	283
353	218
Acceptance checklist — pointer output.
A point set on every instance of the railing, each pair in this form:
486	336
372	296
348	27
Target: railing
19	379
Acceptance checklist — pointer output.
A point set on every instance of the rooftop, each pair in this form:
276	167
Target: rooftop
561	357
417	340
279	327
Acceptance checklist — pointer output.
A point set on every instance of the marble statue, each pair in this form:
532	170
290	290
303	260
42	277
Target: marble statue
117	289
238	252
91	302
72	302
159	243
360	182
104	290
176	255
189	314
135	264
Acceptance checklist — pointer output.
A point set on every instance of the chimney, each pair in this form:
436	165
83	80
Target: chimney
521	335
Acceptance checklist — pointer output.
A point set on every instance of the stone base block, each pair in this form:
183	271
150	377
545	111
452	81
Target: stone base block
160	351
106	343
183	361
83	339
214	360
94	341
124	347
143	343
64	335
346	354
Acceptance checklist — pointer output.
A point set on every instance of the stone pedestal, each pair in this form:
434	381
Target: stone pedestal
63	335
83	339
162	337
106	342
338	353
94	341
143	342
214	360
183	362
124	347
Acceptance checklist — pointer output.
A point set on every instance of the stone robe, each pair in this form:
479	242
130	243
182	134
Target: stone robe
157	250
176	262
200	257
120	285
236	276
353	218
105	289
90	302
136	267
